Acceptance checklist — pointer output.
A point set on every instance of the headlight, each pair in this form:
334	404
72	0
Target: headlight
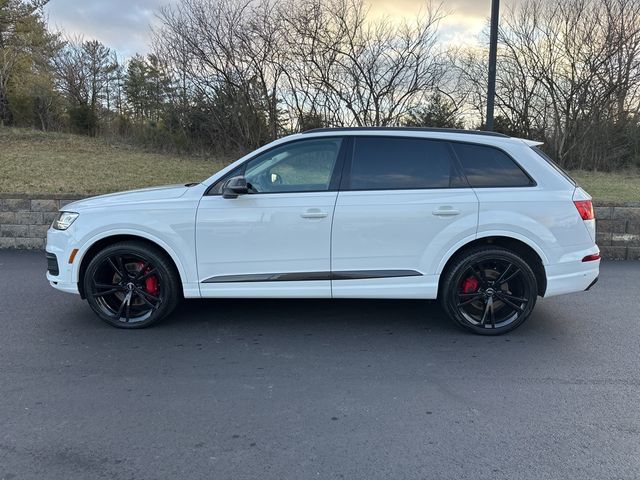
64	220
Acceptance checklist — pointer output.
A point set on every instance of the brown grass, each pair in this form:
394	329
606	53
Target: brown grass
37	162
611	187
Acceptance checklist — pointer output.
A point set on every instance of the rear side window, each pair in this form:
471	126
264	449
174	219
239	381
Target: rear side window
388	163
557	167
486	166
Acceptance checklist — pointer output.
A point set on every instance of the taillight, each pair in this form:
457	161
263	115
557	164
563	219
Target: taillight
585	209
591	258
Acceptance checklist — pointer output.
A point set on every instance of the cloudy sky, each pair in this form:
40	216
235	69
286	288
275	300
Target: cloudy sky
124	24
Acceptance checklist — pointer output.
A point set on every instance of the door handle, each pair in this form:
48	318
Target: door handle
446	212
314	213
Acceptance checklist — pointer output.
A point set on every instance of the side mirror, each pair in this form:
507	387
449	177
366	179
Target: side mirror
235	186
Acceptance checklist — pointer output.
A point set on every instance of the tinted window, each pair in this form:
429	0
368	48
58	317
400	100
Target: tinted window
489	167
548	159
386	163
295	167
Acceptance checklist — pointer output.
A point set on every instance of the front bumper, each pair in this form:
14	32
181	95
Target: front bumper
63	286
59	246
52	264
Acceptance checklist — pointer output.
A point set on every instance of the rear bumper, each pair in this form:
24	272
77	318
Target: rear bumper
592	284
569	277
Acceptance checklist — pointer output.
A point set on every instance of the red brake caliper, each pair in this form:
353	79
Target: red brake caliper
470	285
150	283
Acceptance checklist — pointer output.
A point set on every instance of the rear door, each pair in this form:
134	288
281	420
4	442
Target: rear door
403	204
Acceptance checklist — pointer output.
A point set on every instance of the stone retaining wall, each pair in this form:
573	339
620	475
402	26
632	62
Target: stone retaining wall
24	220
618	230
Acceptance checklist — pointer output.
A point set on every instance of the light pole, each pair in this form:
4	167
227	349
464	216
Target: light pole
493	52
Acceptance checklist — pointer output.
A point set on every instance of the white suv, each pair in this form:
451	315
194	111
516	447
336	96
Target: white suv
481	221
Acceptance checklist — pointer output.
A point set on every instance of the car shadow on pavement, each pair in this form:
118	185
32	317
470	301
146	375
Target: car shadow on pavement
392	317
311	312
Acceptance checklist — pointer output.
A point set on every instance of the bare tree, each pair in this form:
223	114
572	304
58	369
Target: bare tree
234	46
324	61
243	72
564	68
353	70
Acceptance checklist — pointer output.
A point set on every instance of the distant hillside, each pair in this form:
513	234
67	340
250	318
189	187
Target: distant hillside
32	161
36	162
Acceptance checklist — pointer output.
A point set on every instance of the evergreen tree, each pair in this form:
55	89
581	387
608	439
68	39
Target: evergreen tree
439	112
26	47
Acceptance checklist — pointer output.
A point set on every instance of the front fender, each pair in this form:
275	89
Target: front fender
82	251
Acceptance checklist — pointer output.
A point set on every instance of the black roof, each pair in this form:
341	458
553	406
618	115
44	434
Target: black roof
411	129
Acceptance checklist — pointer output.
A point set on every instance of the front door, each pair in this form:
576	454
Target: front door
275	240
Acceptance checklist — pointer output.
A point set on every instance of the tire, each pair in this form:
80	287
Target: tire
489	290
131	285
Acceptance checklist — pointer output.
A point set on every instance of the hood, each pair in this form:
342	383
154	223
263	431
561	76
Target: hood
167	192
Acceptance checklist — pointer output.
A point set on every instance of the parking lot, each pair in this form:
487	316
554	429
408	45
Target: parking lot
301	389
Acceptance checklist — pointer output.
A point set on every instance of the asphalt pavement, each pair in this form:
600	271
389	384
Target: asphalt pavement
315	389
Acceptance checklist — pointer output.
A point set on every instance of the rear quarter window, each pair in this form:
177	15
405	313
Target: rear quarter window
555	166
486	166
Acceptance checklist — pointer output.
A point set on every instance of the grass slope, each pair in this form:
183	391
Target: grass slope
37	162
610	187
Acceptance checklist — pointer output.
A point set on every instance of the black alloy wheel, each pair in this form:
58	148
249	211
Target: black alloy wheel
131	285
489	290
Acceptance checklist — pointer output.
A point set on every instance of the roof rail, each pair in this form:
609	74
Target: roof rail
411	129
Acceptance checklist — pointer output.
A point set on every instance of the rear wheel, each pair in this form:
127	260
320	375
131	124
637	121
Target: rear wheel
131	285
489	290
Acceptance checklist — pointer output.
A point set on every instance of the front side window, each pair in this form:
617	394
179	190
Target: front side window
485	166
388	163
304	166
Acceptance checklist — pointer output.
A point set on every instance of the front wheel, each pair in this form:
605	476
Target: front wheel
131	285
489	290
